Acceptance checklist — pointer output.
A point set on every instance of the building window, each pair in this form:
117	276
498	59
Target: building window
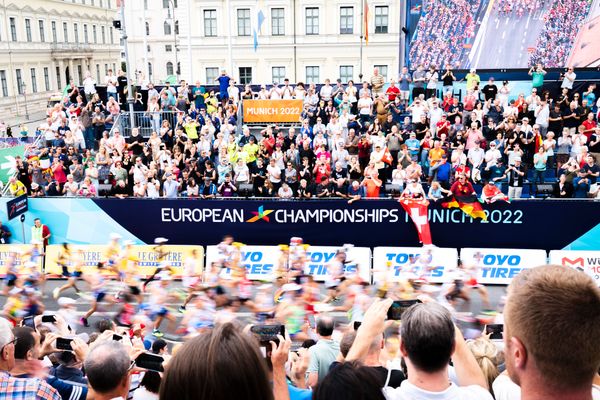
278	74
147	28
76	32
19	82
4	83
383	71
168	48
166	28
54	35
13	29
80	74
65	32
58	82
312	74
243	21
277	21
103	31
95	33
150	71
165	3
86	38
210	23
46	79
33	81
42	31
211	74
245	75
177	27
97	72
28	30
346	72
100	4
112	38
312	21
381	19
145	4
346	20
169	68
105	69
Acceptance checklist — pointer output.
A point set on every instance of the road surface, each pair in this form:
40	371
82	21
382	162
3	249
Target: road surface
503	39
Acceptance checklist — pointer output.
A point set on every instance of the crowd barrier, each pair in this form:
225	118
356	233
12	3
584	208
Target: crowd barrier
382	264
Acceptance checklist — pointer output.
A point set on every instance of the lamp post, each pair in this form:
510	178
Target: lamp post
23	87
128	74
172	3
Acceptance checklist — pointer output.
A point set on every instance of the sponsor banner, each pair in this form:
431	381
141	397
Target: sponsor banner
16	206
262	261
586	261
19	254
499	266
394	264
272	111
91	255
367	223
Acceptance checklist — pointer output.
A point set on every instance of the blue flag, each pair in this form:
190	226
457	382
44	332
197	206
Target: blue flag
255	39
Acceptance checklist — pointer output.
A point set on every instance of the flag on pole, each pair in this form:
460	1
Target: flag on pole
260	18
366	21
418	211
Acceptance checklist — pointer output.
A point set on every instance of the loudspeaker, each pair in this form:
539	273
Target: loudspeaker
245	190
391	189
544	189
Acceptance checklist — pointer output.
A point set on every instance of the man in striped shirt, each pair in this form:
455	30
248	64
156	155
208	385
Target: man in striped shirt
377	82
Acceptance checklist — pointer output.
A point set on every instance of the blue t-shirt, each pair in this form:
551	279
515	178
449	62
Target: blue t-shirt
223	84
299	394
443	172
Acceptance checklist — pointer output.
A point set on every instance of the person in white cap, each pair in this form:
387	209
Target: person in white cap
68	310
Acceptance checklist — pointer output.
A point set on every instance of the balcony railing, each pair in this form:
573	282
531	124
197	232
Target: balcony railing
62	48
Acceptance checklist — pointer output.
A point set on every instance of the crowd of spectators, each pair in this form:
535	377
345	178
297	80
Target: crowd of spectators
561	25
424	357
350	143
442	31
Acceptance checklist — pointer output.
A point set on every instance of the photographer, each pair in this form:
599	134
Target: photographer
514	173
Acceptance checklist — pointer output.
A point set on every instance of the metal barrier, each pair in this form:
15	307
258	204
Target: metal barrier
146	122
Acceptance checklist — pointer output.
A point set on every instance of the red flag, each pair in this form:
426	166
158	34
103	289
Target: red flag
417	209
387	157
366	21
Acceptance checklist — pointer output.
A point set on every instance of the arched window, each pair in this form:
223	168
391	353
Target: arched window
177	27
169	68
147	28
167	28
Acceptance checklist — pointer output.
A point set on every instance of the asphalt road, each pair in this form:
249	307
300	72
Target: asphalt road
505	38
82	304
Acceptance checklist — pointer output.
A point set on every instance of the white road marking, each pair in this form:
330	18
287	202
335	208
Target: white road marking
506	21
503	34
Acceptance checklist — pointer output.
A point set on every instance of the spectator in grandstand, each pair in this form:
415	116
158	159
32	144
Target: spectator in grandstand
567	371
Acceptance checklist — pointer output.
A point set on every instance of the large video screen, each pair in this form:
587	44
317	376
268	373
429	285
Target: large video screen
492	34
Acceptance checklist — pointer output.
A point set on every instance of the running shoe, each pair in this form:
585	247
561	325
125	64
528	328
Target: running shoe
55	293
157	333
84	322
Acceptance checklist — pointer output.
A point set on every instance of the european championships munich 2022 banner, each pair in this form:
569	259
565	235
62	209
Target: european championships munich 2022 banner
532	224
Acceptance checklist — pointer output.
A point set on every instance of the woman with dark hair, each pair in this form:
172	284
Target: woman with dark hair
225	364
149	387
350	381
